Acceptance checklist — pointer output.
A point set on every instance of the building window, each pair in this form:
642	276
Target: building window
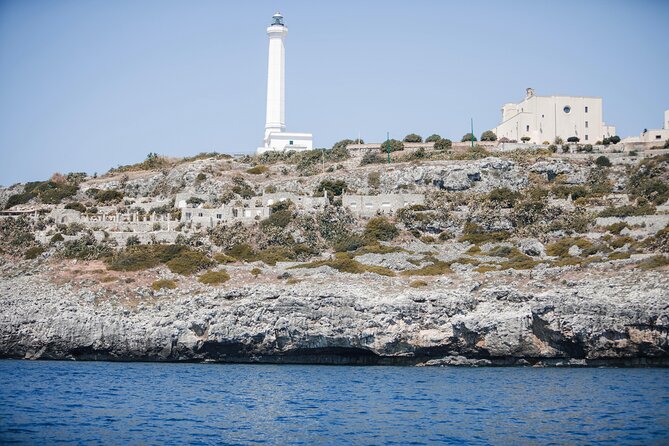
566	109
528	128
586	137
542	116
187	215
219	216
199	214
586	124
586	108
290	142
658	136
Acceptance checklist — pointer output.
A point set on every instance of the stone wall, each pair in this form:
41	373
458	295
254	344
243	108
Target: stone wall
384	204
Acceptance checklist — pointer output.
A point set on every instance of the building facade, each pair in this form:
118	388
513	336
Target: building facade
276	137
543	118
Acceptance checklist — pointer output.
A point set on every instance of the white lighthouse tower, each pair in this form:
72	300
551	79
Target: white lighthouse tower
276	137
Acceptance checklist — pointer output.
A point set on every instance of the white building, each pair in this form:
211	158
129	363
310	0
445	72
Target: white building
542	118
653	135
276	137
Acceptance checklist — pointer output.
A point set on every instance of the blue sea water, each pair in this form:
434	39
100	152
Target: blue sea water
150	403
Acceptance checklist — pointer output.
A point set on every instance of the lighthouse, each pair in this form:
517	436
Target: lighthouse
276	137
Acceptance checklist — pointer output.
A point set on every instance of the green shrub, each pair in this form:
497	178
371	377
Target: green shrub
372	158
33	252
561	247
521	261
333	187
256	272
85	248
222	258
57	237
443	144
344	143
22	198
467	137
242	252
141	257
488	135
257	170
279	219
189	262
475	234
504	196
214	277
132	241
615	228
433	138
619	255
436	268
379	228
350	243
603	161
503	251
395	145
163	284
275	254
654	262
75	205
412	137
108	196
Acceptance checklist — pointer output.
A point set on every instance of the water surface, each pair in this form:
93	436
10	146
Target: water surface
151	403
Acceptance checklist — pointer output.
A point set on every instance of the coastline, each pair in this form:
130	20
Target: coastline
614	318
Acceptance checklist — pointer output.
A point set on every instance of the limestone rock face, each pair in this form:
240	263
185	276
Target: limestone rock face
620	319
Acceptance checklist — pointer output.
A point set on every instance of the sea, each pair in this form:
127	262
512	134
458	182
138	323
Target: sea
114	403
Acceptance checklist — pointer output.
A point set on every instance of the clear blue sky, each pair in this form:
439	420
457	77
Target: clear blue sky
87	85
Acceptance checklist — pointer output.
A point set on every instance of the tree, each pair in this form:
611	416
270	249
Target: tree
395	145
603	161
443	144
433	138
488	135
412	137
558	141
614	139
573	139
468	137
525	138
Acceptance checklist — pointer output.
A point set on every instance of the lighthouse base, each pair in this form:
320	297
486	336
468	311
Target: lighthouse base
284	142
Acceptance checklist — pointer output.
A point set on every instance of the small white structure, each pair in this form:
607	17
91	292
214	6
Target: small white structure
543	118
654	135
276	137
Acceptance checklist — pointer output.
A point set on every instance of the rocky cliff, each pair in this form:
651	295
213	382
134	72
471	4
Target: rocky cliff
618	317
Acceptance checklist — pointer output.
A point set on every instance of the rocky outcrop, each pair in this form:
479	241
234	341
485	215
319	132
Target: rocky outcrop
619	318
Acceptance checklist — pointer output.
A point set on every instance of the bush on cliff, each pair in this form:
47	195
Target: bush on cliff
214	277
85	248
163	284
189	262
379	228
